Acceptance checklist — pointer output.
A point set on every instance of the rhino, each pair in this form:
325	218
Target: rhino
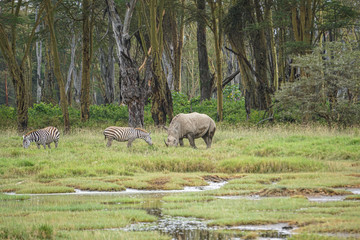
191	126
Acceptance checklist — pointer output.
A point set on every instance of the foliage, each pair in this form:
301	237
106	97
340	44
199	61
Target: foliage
328	89
42	114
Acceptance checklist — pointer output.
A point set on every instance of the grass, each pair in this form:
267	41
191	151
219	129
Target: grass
287	161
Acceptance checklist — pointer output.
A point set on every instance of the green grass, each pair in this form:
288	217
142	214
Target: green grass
287	160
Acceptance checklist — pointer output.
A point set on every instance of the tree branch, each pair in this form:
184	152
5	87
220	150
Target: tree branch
227	80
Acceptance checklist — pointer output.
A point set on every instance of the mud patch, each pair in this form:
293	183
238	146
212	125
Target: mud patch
285	192
217	179
158	183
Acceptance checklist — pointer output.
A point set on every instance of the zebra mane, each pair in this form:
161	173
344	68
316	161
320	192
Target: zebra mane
140	129
30	132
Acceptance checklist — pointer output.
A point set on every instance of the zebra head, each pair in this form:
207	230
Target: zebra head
26	141
148	139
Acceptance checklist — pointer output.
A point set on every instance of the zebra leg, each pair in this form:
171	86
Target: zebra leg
130	142
109	142
44	146
49	145
56	143
38	145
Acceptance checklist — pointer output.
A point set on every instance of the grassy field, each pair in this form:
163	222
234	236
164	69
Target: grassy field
284	164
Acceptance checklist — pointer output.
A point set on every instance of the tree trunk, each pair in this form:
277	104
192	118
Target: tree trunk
39	62
57	70
86	62
48	89
71	71
216	20
206	80
261	60
107	72
178	50
161	95
268	17
132	88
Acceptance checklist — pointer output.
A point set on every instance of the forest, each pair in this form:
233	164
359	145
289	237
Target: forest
280	79
239	61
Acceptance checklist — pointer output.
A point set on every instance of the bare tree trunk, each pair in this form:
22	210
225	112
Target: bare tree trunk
161	95
39	62
206	80
86	62
261	60
6	91
132	88
216	20
168	68
178	51
71	71
48	87
57	70
107	72
268	17
77	84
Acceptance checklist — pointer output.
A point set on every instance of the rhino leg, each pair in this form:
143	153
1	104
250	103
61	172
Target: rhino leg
191	140
207	140
181	142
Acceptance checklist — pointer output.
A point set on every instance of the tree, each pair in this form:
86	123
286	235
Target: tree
328	69
18	69
246	22
57	71
216	18
206	80
132	87
87	41
161	96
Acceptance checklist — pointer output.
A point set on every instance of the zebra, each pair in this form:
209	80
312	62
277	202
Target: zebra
43	136
123	134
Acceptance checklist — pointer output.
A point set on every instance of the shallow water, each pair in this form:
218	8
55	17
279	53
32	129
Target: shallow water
326	198
198	229
210	186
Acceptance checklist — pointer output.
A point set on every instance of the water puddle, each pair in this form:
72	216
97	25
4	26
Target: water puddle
279	230
326	198
251	197
129	191
196	229
353	190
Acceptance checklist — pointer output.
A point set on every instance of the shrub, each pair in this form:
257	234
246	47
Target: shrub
42	114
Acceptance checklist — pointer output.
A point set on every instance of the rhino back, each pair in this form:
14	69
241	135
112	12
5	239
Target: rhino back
193	123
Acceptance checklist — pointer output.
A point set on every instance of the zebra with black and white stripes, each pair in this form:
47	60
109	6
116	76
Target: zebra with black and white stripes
123	134
43	137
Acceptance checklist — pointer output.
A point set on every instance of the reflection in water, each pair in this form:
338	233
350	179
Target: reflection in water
184	228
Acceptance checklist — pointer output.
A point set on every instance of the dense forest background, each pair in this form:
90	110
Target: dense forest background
139	62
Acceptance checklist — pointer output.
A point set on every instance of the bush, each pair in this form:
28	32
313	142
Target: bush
42	114
7	116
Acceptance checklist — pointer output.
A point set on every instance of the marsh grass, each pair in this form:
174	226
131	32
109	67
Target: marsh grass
280	158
